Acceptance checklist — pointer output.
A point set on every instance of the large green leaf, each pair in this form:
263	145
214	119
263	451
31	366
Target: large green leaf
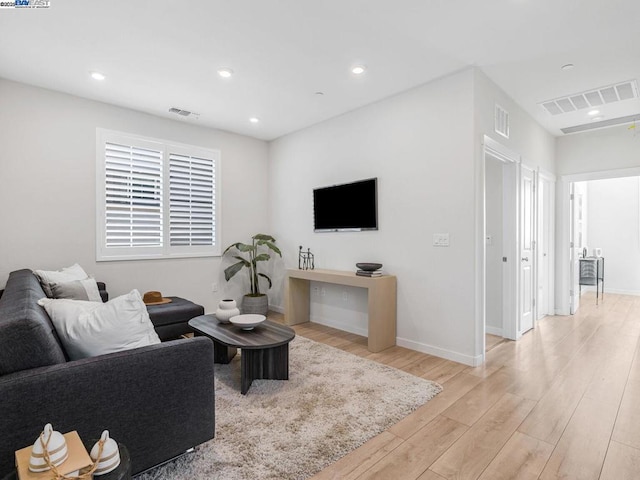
263	257
271	246
233	269
268	279
246	262
262	236
243	247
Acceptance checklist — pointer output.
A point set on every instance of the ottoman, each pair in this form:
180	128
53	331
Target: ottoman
171	319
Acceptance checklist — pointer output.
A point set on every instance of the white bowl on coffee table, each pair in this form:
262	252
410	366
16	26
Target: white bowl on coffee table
247	321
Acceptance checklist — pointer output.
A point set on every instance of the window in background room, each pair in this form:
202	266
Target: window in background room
155	199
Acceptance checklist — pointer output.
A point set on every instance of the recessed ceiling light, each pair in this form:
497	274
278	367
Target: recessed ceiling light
594	112
567	66
254	120
97	76
319	94
225	72
358	69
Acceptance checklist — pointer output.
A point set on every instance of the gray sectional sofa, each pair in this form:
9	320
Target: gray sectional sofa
156	400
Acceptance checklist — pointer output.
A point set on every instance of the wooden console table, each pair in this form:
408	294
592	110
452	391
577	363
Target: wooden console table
381	301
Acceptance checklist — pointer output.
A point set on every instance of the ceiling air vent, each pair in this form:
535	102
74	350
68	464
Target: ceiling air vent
592	98
183	113
502	121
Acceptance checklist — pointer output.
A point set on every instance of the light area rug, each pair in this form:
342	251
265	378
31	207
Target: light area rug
332	403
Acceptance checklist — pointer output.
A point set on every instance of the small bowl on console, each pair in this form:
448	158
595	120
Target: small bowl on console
369	267
247	321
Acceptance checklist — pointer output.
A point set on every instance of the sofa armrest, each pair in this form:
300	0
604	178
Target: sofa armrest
156	400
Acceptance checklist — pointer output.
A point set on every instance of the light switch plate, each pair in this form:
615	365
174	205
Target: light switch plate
440	239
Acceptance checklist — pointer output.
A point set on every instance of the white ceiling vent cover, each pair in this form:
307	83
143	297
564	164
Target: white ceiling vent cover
592	98
502	121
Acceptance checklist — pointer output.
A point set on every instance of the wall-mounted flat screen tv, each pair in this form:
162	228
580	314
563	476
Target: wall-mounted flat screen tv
350	207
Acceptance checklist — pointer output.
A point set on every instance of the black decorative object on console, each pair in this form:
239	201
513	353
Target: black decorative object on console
369	269
306	260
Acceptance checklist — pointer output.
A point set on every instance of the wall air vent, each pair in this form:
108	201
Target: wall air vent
501	121
592	98
183	113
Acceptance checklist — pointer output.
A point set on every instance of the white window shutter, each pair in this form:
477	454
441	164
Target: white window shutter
133	196
192	196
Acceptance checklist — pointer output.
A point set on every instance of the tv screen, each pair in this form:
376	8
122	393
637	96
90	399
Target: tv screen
346	207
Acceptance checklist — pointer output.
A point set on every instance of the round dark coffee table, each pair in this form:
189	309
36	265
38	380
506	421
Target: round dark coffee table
265	348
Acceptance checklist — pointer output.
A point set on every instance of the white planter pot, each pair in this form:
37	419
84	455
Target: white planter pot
227	309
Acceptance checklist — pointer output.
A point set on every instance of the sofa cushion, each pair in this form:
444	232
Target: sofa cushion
86	289
67	274
27	336
89	329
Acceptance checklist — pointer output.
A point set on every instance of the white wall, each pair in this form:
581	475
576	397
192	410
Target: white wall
614	225
419	144
48	191
528	139
424	145
598	150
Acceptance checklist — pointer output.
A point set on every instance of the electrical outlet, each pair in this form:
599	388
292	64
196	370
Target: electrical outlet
316	291
345	296
440	239
214	287
323	292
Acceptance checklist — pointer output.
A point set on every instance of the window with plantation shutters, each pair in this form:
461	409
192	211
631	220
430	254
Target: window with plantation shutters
133	196
191	200
155	199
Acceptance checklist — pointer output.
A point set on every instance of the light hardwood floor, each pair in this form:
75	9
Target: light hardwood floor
562	402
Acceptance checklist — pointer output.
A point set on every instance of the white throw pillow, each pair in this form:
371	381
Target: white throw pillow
86	289
67	274
88	329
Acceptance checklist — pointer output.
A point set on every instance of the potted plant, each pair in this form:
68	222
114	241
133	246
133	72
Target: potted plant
248	256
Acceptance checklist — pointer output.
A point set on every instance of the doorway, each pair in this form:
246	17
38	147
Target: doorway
567	290
517	218
606	226
500	237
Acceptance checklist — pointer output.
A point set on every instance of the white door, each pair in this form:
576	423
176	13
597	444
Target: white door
527	249
544	246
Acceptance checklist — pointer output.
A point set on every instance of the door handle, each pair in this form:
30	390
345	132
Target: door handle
525	259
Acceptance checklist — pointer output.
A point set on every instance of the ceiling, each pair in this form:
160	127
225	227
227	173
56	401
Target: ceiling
162	54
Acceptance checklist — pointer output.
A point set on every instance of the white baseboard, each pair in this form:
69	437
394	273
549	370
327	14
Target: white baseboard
441	352
419	347
493	330
619	291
